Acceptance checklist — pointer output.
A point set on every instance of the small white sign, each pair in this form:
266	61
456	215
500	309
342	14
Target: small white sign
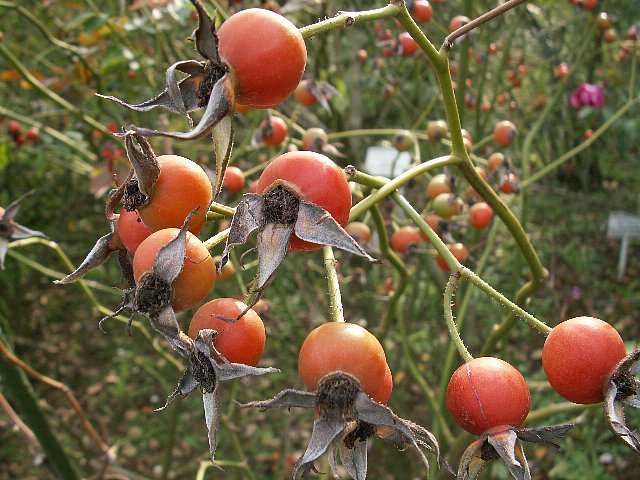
623	224
386	161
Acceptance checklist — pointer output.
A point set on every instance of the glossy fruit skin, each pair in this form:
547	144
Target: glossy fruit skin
408	45
266	53
131	230
421	11
510	183
405	238
437	130
197	275
487	392
440	183
233	179
314	138
314	178
458	22
403	140
344	347
279	131
181	187
504	132
480	215
384	392
242	341
496	160
447	205
458	250
303	94
578	355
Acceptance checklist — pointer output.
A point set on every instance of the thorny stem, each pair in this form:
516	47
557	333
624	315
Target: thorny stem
440	63
532	321
449	293
206	465
484	18
335	298
347	19
386	187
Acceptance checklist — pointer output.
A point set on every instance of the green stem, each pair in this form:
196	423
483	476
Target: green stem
348	19
386	187
23	397
335	298
532	321
222	209
547	411
449	293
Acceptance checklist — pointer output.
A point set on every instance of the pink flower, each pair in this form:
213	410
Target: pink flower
587	95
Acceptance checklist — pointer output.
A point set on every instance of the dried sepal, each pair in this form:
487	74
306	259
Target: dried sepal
99	254
208	85
548	435
505	444
509	448
322	92
325	430
146	167
244	222
289	398
10	230
128	293
278	214
380	415
220	104
222	138
315	224
346	421
622	390
205	35
207	368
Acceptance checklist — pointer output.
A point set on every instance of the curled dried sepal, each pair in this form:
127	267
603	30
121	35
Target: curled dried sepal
10	230
506	444
138	190
277	215
128	293
344	427
621	390
322	92
207	85
99	254
207	368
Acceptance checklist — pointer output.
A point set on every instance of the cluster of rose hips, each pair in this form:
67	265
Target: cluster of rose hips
301	203
20	137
